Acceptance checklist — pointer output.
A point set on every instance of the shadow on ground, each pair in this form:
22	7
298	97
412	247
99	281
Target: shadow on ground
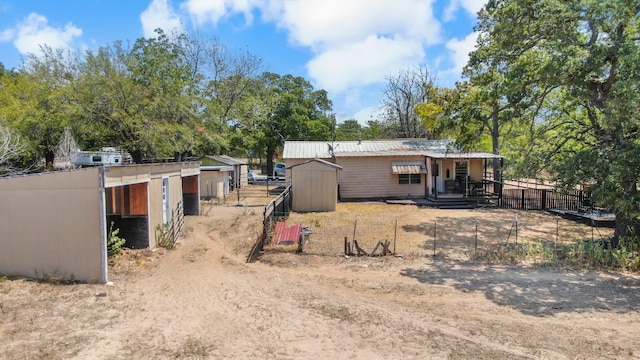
536	292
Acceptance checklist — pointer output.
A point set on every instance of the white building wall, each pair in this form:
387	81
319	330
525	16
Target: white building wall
53	225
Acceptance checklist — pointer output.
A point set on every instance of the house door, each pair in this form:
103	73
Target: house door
439	177
462	169
461	172
166	214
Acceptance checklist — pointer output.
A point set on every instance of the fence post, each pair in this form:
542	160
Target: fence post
435	235
522	200
476	242
544	199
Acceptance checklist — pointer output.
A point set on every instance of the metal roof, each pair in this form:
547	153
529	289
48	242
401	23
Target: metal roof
399	147
216	168
324	162
226	159
408	167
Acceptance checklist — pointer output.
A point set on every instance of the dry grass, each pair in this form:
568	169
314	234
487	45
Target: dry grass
414	229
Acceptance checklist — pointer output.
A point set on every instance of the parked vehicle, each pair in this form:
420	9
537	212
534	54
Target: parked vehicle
105	157
250	178
279	170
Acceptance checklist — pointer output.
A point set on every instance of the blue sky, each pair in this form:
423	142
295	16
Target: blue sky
347	47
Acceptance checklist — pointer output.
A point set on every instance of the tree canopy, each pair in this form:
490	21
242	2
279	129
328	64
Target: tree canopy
560	78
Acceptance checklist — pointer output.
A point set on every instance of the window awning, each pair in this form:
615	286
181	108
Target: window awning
408	167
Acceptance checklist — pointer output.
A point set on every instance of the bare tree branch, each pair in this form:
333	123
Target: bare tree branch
11	149
66	152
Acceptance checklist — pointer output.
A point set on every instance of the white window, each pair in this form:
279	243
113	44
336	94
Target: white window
409	179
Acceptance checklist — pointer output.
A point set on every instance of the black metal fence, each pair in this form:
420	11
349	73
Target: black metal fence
276	209
543	199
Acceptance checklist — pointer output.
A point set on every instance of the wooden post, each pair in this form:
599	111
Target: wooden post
373	252
355	223
516	229
346	251
395	233
360	251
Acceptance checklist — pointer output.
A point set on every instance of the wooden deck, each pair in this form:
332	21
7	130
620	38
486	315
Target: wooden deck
596	218
446	201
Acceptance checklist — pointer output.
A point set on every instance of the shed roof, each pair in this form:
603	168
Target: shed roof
226	159
397	147
223	168
324	162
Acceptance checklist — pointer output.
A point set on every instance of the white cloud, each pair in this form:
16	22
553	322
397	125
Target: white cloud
354	42
366	114
324	24
459	51
35	31
7	35
362	63
203	11
359	42
160	14
470	6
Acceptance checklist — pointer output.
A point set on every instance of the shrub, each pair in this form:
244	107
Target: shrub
114	242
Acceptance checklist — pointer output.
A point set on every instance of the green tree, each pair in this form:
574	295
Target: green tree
159	65
289	109
349	129
37	104
581	63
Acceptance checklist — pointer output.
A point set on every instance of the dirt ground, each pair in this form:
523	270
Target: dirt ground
201	300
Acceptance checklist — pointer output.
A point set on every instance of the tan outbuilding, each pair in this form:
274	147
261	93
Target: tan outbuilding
314	186
56	224
215	181
237	177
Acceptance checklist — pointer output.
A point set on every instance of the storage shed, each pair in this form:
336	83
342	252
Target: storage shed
214	181
314	186
239	168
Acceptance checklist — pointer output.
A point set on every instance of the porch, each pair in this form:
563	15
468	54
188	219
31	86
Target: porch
463	182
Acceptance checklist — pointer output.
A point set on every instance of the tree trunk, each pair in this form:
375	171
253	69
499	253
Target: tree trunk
136	156
627	226
270	153
495	144
49	156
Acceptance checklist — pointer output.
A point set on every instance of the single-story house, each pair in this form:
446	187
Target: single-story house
238	177
400	168
57	223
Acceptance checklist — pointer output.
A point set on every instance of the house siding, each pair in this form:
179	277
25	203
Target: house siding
371	177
